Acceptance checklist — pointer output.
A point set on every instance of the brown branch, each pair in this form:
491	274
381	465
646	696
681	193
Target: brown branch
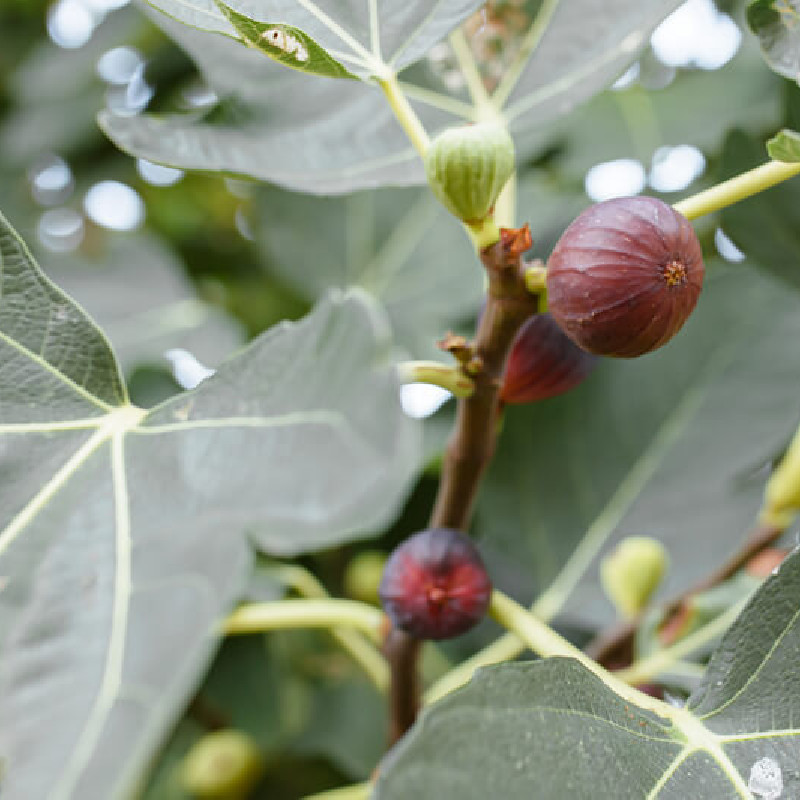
613	648
472	444
402	652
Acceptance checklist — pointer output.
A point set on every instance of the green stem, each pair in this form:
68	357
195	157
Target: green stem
359	791
509	645
472	77
445	375
292	614
406	115
736	189
504	648
536	279
545	642
648	669
361	650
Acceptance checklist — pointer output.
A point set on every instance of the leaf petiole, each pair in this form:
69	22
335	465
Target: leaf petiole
545	642
447	376
651	667
358	791
360	649
739	188
405	114
317	613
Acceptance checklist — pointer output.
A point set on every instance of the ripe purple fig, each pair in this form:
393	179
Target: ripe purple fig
544	362
435	585
624	276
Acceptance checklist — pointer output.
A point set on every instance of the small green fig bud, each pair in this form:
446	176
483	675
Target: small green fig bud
633	572
467	168
363	576
223	765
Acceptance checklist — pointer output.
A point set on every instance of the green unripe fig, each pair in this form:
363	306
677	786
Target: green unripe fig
632	572
363	576
223	765
467	168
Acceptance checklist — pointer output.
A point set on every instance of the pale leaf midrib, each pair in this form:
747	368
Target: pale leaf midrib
112	672
118	420
50	427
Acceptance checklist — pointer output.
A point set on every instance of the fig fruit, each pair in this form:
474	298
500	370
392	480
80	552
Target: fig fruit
468	166
223	765
543	362
624	276
435	585
363	576
632	572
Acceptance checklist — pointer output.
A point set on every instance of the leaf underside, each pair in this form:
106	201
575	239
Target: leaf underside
573	50
122	532
644	447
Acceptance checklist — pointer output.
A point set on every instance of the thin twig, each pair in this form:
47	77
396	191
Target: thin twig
472	444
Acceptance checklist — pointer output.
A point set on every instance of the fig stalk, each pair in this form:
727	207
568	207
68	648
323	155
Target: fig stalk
472	444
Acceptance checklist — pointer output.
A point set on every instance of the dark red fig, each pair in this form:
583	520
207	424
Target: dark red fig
544	362
624	276
435	585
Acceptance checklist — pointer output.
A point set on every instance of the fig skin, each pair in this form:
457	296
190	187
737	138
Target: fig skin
435	585
625	276
543	362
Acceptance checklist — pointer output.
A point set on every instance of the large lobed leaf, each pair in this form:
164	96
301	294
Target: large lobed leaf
400	246
579	48
139	296
552	729
670	445
364	35
121	531
573	50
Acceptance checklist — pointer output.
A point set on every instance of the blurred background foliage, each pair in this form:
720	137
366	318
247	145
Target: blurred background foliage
181	268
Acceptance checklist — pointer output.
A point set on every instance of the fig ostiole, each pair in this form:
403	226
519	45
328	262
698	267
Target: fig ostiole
435	585
625	276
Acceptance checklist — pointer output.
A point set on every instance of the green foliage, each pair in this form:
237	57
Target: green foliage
775	22
551	728
286	44
765	227
785	146
83	508
127	535
576	474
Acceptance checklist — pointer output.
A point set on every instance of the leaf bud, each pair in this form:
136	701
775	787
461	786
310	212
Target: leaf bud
632	572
